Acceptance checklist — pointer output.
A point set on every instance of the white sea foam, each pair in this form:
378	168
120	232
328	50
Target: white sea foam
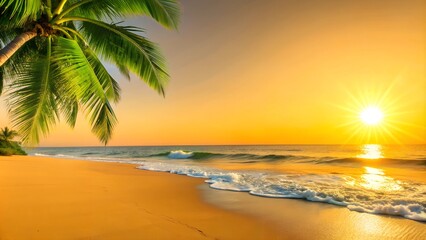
179	154
408	201
42	155
95	158
54	155
409	210
363	193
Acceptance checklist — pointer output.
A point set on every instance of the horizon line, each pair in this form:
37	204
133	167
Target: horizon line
219	145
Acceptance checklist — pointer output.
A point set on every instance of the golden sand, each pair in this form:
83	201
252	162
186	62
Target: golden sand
44	198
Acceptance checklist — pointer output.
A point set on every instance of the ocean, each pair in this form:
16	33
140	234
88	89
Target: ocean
372	178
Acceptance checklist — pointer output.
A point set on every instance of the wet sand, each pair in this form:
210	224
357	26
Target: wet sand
299	219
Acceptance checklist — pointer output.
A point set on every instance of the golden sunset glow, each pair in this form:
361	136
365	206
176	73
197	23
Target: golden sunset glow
232	119
381	114
281	79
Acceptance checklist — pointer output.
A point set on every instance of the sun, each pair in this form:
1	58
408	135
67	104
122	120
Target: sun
377	115
371	115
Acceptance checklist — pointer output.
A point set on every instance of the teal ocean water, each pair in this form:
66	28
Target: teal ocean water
359	177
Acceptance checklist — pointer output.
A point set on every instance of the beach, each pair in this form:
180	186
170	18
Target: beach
51	198
221	120
47	198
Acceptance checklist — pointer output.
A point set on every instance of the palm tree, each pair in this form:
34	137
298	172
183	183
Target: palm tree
7	135
50	59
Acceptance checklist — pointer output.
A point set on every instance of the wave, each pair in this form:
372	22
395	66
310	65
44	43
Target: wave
180	154
93	158
381	161
253	158
405	199
409	201
42	155
54	155
243	158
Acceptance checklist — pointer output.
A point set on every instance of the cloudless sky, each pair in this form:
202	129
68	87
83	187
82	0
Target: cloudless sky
276	72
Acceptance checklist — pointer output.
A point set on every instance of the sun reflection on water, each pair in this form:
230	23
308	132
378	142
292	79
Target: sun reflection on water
371	151
375	179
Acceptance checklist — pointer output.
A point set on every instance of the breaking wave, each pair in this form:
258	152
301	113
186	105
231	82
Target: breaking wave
404	199
180	154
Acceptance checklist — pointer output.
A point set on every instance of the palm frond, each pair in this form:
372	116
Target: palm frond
165	12
15	13
122	46
32	100
14	65
67	99
6	35
85	86
123	70
67	102
59	71
108	83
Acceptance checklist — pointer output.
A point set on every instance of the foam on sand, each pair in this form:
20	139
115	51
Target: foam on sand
362	194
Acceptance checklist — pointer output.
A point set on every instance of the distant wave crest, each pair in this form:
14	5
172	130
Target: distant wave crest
251	158
54	155
180	154
381	161
241	157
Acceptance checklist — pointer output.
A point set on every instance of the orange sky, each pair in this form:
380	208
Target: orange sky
277	72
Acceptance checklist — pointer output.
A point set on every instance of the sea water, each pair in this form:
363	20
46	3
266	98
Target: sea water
359	177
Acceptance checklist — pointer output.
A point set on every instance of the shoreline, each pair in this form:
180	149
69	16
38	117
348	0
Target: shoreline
184	206
301	219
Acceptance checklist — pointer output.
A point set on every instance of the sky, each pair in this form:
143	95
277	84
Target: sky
276	72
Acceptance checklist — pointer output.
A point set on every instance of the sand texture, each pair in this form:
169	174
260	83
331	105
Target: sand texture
45	198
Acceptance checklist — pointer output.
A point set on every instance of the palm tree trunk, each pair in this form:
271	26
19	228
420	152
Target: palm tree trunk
14	45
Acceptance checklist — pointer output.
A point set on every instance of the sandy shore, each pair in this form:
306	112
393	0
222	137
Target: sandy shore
46	198
43	198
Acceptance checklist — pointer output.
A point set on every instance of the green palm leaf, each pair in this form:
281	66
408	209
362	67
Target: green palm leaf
32	101
6	35
122	46
108	83
13	67
165	12
50	59
67	102
16	13
89	84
